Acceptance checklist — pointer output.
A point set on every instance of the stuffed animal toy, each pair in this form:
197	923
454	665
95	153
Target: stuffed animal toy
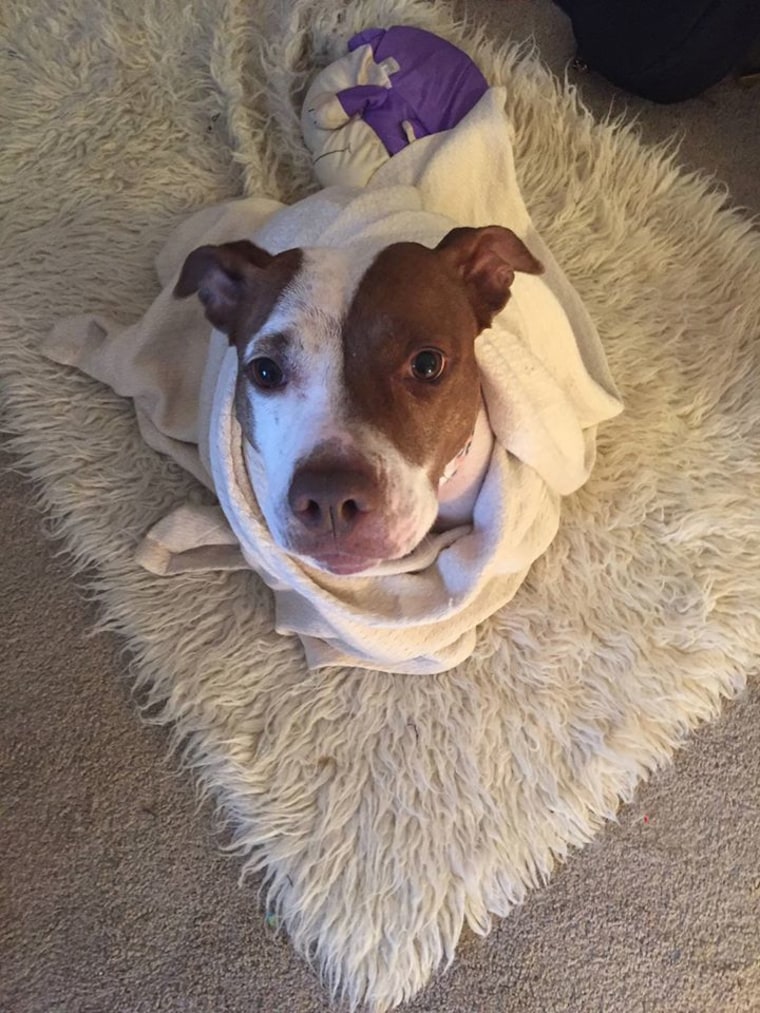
393	87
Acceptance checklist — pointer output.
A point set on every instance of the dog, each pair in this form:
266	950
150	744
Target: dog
357	386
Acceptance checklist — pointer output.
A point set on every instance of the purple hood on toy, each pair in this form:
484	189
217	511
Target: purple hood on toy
435	86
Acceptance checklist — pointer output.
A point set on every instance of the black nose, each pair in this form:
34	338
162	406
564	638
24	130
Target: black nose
326	499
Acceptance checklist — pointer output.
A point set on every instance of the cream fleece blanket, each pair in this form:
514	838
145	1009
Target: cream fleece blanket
545	386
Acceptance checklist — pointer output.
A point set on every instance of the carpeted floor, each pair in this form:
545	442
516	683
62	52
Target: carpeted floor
117	898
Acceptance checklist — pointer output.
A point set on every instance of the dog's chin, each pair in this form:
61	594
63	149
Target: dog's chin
342	565
342	561
354	556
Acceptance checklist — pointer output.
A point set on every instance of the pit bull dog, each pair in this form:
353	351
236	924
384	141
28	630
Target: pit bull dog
358	385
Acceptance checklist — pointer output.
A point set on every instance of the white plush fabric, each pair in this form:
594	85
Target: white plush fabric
545	385
386	812
344	150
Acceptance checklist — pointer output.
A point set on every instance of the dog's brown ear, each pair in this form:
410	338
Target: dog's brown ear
221	275
486	259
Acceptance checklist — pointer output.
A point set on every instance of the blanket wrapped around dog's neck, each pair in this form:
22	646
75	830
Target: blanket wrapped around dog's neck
544	380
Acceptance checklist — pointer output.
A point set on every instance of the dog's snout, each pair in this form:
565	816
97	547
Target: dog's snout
332	499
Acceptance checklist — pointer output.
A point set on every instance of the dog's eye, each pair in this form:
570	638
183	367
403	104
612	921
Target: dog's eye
428	364
265	373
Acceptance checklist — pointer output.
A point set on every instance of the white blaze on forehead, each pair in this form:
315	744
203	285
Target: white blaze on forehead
316	299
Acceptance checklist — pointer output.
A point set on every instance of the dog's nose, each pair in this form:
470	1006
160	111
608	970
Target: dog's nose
332	499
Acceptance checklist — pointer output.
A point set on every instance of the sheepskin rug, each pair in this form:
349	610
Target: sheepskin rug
384	812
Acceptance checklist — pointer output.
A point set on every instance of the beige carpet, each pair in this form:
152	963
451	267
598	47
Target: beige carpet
77	911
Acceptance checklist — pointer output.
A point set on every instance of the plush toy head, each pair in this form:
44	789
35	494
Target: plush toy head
393	87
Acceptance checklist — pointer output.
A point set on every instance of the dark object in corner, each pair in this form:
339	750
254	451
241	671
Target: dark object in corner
664	50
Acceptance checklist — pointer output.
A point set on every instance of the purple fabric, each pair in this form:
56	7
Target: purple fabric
435	87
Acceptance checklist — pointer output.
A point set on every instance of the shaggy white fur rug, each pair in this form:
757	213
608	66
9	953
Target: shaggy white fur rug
386	811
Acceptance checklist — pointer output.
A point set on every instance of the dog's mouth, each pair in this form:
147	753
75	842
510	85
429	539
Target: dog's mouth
349	557
342	564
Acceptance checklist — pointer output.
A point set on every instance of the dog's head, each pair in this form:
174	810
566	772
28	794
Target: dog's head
357	380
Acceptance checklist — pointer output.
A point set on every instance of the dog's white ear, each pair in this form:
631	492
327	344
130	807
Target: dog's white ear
221	275
486	259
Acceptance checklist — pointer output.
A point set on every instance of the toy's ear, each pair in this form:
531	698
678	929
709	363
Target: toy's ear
486	259
222	276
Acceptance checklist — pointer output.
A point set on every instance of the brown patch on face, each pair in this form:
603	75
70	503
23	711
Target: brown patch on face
253	313
411	299
261	293
239	285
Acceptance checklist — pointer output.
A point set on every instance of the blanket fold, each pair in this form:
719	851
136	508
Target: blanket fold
545	383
